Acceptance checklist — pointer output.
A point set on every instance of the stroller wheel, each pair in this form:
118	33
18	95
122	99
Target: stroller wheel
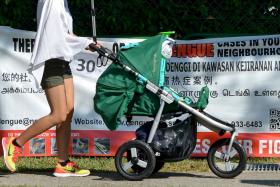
220	165
135	160
159	165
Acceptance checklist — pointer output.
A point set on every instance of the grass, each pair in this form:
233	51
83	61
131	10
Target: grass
37	164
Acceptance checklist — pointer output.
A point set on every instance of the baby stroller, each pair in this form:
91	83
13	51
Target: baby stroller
134	85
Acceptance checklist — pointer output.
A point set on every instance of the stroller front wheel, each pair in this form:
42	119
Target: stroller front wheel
135	160
226	165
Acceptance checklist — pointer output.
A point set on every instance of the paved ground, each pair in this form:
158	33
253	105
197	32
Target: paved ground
101	179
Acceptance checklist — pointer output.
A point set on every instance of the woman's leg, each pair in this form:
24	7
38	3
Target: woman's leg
57	101
63	130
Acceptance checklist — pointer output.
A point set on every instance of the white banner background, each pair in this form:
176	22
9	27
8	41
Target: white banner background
254	113
21	104
244	90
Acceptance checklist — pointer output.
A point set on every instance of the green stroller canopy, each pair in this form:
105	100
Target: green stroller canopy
117	91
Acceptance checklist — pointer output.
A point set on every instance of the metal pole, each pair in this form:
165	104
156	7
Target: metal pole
156	122
208	122
93	21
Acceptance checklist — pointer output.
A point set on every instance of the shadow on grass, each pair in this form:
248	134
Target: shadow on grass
3	174
105	175
115	176
262	182
46	172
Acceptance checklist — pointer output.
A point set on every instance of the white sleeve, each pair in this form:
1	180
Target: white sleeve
69	21
76	42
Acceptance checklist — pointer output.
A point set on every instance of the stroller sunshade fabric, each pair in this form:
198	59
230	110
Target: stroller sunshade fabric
118	92
145	58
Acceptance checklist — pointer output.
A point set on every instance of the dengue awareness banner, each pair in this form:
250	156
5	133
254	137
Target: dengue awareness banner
241	73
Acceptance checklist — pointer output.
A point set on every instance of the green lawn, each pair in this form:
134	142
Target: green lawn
33	164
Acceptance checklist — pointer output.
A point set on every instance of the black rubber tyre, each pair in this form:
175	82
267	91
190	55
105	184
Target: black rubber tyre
222	168
159	165
135	160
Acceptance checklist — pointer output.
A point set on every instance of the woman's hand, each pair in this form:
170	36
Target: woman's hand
93	46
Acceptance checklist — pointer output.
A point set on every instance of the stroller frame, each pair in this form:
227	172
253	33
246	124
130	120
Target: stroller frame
167	97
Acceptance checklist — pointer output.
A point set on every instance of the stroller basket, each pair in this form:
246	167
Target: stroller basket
176	142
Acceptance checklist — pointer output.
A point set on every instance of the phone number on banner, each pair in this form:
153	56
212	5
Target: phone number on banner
248	124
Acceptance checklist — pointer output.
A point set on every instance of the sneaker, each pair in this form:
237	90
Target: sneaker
70	170
11	153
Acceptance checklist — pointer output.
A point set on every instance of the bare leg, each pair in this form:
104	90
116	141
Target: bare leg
63	130
57	101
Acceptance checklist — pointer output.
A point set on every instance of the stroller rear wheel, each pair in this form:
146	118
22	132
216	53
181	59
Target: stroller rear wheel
135	160
223	166
159	165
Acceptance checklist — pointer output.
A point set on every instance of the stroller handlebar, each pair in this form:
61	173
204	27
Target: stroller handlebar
103	52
